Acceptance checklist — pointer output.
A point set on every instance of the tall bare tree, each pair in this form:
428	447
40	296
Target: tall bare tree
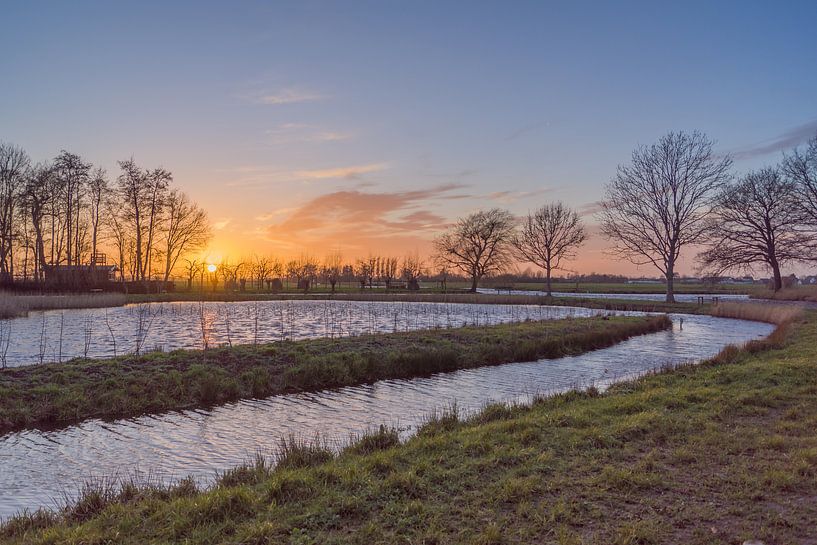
333	268
656	205
413	267
261	270
756	222
37	194
478	245
158	181
549	236
97	192
14	165
186	228
800	168
73	174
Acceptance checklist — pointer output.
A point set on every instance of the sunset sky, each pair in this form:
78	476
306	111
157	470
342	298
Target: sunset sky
369	126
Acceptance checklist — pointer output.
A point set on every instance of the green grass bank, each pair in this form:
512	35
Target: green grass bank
55	394
716	453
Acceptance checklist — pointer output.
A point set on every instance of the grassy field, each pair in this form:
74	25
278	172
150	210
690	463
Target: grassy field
716	453
44	395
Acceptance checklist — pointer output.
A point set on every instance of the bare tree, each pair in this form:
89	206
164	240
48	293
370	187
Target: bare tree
755	222
478	245
116	220
548	236
657	204
389	268
157	181
186	229
14	165
98	189
192	267
333	268
364	272
261	269
73	173
143	198
413	267
800	168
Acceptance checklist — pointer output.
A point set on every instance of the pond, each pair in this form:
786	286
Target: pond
57	336
38	465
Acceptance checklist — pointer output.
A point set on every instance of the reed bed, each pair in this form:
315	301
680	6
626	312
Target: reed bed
759	312
13	305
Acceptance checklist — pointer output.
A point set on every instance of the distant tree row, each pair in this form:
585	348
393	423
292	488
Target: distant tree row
262	272
65	211
671	195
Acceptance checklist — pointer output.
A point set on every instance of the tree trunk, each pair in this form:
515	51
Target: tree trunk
474	282
670	285
778	279
550	291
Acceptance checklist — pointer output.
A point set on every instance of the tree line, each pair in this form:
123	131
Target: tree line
671	195
64	211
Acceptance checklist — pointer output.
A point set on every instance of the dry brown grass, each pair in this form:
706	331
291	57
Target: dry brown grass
12	306
796	293
759	312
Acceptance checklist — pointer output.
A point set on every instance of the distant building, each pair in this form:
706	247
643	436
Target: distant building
96	275
74	277
644	281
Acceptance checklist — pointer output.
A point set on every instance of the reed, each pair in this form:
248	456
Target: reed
759	312
13	305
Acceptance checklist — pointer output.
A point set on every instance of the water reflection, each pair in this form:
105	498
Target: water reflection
56	336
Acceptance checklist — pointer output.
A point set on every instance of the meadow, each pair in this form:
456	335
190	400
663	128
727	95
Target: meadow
716	453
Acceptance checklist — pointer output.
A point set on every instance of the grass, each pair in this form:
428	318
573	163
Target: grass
717	453
53	394
13	306
622	288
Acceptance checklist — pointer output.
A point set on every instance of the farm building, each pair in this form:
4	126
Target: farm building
75	277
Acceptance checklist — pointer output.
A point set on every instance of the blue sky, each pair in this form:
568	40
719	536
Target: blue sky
302	126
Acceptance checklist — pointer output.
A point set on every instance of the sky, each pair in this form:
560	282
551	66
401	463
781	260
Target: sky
309	127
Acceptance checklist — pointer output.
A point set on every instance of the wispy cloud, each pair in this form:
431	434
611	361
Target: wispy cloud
290	95
301	132
246	176
509	197
521	131
221	224
591	208
785	141
349	172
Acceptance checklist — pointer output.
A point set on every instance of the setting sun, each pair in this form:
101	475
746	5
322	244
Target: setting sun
212	267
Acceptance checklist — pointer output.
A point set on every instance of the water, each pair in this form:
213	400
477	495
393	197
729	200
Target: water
56	335
659	297
37	465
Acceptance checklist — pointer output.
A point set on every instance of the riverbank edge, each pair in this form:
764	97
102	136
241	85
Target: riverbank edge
514	473
66	393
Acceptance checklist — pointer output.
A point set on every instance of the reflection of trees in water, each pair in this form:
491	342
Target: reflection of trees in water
146	327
